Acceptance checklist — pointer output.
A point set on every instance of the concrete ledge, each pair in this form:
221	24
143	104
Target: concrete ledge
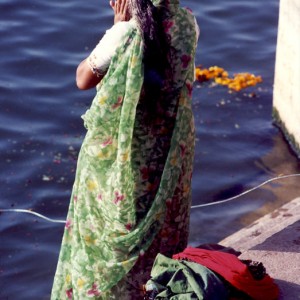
291	139
286	100
274	240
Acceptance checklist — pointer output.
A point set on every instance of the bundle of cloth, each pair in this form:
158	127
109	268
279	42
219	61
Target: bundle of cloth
198	273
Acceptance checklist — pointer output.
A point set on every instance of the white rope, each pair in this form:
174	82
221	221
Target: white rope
246	192
195	206
33	213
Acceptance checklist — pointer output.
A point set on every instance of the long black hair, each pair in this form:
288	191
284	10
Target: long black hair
149	20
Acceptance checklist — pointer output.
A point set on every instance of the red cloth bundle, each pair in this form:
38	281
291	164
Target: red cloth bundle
234	271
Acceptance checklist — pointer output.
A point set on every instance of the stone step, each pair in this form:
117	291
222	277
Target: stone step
274	240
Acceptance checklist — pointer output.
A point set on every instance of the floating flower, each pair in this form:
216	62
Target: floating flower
238	82
210	73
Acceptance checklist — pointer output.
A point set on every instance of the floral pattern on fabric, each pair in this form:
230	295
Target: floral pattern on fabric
131	195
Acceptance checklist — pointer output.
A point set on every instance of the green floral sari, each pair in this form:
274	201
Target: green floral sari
131	195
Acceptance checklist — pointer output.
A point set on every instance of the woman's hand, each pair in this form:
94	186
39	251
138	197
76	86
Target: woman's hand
120	8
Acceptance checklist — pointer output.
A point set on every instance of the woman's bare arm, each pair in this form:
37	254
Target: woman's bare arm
85	78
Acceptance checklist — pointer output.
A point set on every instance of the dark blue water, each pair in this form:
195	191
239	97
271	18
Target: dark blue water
41	131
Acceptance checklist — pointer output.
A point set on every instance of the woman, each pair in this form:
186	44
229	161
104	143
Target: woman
131	195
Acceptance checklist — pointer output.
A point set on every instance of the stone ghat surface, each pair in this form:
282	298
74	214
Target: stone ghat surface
274	240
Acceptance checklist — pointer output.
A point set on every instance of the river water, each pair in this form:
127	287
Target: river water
238	146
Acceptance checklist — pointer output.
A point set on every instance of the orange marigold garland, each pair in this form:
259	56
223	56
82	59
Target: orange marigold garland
238	82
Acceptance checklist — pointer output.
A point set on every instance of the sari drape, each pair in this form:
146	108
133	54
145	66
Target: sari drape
131	194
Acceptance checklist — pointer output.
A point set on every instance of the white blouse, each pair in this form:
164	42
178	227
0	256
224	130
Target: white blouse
100	57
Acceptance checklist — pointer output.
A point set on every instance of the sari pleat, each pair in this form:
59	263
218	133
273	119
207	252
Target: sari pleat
132	191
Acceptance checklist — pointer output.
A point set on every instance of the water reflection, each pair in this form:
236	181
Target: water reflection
206	222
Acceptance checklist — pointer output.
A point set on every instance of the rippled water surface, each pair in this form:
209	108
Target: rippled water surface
41	131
